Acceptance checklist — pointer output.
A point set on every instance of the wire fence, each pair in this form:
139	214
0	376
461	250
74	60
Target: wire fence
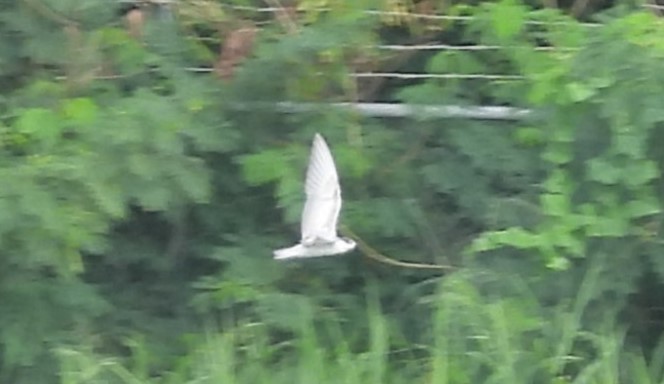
400	110
362	75
404	14
417	47
446	47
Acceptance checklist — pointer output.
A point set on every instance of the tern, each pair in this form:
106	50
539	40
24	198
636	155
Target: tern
321	210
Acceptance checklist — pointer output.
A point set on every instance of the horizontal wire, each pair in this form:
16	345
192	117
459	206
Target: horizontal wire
436	47
446	47
423	16
393	75
369	12
401	110
469	18
413	76
397	47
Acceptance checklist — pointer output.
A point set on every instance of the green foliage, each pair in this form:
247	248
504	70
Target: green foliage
475	338
139	204
603	174
72	165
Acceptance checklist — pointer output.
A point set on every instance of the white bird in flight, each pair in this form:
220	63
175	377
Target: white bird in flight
321	210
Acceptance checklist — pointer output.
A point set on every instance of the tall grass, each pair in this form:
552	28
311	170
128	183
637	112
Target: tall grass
475	338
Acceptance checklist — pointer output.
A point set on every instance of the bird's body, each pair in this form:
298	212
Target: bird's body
338	247
321	210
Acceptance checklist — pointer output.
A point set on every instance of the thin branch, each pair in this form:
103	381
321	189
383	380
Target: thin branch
372	253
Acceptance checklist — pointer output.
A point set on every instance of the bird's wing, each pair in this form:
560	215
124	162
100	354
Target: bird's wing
321	210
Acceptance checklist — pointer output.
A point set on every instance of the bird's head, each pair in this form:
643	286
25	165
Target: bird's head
348	244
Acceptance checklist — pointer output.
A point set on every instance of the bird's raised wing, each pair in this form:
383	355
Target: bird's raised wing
321	210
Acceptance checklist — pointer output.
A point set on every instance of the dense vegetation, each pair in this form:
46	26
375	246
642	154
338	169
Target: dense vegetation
141	197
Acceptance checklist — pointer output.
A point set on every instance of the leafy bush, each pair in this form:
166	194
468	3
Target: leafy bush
141	200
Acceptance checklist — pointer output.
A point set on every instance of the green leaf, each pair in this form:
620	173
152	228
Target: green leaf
580	92
353	160
43	125
518	238
454	61
629	143
558	263
558	182
561	236
109	197
529	136
562	135
508	18
608	227
142	164
641	208
193	177
515	237
558	153
599	82
640	173
601	171
81	111
154	198
264	167
555	204
483	243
